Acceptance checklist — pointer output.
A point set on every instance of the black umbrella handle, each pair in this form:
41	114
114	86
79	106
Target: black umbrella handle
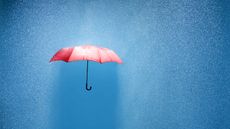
86	85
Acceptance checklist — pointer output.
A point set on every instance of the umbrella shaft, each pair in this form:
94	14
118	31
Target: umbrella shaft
87	72
86	85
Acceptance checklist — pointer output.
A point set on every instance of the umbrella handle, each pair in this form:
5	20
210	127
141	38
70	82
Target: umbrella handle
86	87
86	84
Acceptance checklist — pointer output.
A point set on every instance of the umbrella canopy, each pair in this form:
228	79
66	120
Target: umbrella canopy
86	52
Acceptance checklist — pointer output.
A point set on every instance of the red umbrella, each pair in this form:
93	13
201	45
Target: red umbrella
86	52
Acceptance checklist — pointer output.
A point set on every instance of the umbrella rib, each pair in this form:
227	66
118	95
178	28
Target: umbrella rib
70	54
85	56
99	54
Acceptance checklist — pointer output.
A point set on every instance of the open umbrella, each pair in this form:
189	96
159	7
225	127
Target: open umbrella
86	52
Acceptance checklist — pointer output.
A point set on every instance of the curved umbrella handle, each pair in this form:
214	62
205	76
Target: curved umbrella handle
86	84
86	87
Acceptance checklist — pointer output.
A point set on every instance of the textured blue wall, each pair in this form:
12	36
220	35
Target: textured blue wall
175	74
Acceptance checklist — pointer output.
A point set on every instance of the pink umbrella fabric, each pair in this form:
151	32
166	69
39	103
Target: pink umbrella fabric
86	52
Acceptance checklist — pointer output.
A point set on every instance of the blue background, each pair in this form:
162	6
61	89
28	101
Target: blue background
175	73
